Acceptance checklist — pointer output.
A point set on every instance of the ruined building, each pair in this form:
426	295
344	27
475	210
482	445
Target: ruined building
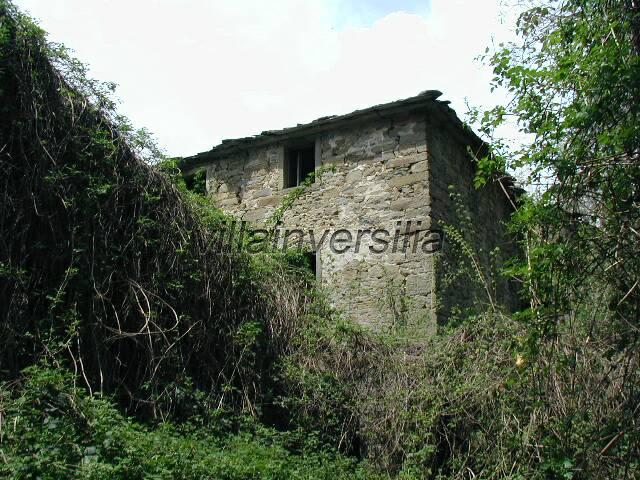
384	198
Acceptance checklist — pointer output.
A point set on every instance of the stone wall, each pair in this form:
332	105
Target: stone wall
479	215
382	172
378	177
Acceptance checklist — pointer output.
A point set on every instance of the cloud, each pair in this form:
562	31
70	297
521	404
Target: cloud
197	71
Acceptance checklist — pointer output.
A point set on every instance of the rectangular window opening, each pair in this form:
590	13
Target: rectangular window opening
299	162
312	262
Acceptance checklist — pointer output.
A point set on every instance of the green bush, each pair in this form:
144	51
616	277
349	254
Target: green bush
52	429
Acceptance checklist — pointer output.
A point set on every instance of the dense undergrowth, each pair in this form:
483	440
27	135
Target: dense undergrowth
118	298
55	430
136	343
105	262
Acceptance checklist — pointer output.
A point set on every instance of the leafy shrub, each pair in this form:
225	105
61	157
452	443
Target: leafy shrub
52	429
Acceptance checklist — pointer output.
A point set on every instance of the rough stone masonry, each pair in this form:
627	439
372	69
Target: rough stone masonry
390	168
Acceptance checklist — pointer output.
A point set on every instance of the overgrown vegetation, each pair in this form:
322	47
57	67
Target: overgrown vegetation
115	289
135	343
58	431
574	81
106	263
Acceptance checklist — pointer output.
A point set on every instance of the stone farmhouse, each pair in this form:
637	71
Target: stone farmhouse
383	194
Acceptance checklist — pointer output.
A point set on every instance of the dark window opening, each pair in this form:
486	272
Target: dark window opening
312	262
299	163
196	183
311	265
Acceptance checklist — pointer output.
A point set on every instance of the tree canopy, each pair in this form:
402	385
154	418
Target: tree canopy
574	85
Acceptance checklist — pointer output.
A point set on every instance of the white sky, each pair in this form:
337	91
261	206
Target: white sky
197	71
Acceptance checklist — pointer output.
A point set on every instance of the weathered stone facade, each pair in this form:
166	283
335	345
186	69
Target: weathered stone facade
384	168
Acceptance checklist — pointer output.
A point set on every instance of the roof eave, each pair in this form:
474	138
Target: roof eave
227	147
